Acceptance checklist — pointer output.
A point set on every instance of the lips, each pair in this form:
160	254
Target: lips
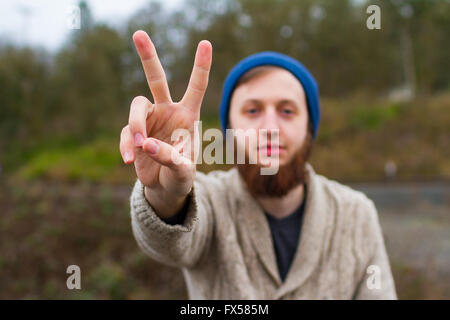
270	150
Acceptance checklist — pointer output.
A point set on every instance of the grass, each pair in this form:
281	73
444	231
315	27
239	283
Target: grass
93	161
355	141
374	116
47	226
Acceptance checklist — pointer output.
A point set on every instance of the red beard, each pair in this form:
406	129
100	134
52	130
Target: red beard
288	176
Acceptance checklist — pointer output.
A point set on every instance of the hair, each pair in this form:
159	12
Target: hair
255	73
259	72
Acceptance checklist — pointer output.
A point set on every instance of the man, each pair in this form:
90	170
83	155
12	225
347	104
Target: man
240	234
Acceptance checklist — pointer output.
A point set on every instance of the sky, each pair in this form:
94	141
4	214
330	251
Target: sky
43	23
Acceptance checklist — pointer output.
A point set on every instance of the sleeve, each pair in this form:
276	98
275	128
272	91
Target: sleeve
377	282
179	217
178	245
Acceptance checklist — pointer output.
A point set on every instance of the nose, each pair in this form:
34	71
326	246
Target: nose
270	120
270	126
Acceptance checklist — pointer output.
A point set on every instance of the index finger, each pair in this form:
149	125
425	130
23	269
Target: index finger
153	69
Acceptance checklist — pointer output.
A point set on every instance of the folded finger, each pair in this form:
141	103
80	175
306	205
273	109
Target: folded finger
165	154
127	145
139	109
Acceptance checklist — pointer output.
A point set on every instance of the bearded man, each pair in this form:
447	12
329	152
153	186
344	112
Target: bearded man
240	234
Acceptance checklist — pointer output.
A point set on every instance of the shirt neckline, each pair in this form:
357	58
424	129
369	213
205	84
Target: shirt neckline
293	215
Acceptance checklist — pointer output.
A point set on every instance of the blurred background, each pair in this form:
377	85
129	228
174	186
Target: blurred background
65	95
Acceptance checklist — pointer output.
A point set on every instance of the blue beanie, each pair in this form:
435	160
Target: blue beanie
275	59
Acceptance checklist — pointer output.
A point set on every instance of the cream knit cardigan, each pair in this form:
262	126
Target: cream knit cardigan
225	249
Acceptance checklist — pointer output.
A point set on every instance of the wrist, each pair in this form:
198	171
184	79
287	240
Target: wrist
164	205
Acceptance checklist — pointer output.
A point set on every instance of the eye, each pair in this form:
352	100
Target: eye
287	111
251	110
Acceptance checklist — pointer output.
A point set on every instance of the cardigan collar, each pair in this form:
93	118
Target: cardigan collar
308	250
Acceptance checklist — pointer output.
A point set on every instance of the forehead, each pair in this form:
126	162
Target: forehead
276	84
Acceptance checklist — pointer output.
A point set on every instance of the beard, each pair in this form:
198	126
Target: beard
289	175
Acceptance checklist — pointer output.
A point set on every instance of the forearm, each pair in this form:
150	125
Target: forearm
178	244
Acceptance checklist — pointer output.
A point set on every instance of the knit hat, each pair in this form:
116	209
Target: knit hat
275	59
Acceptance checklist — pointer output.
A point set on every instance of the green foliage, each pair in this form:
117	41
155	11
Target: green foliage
372	117
86	87
24	90
93	161
350	129
108	279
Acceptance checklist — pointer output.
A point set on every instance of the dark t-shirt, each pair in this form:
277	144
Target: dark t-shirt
285	234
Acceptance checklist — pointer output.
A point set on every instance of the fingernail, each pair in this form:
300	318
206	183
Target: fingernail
138	139
126	157
152	147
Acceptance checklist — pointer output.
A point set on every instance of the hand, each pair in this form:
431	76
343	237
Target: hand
146	141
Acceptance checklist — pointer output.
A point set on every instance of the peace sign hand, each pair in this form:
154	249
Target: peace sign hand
146	140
